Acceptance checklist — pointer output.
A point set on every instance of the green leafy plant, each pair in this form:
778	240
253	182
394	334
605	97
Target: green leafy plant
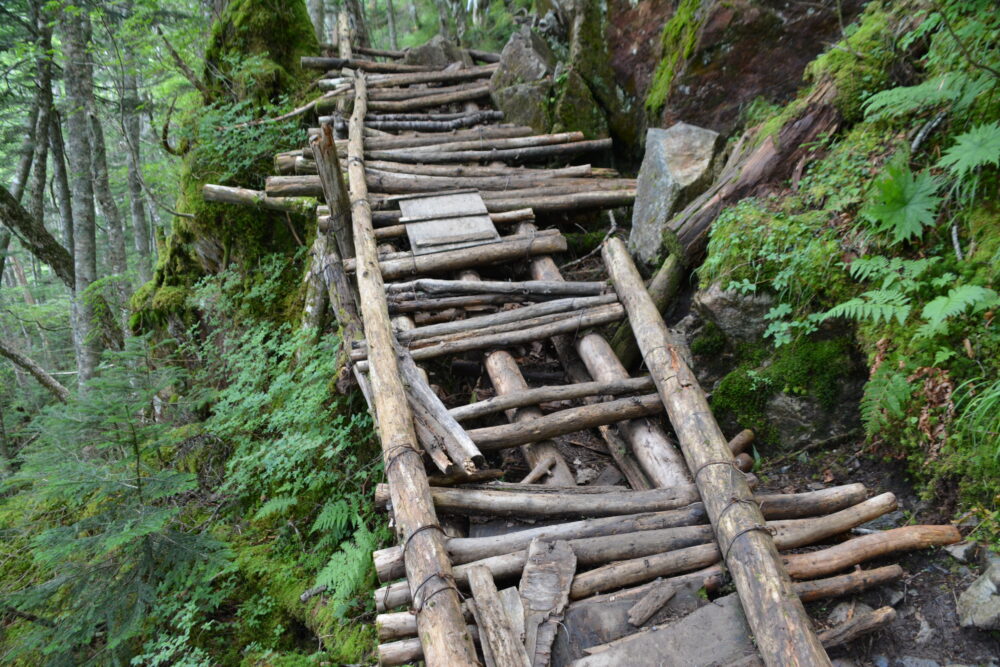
903	203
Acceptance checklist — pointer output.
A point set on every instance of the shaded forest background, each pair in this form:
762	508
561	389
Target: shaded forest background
177	465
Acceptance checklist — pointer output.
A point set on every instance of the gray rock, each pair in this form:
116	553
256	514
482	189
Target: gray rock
912	661
520	105
925	633
889	520
880	661
676	167
437	52
525	58
979	605
739	316
963	552
843	662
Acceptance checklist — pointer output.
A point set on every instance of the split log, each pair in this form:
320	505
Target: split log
442	626
459	445
447	303
334	191
464	95
516	155
571	420
546	394
507	248
425	124
395	231
460	137
779	622
326	64
516	185
544	592
578	322
494	626
243	197
546	189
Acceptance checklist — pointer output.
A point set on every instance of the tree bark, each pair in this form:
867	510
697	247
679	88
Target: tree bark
20	179
317	15
390	15
39	373
60	179
86	340
132	127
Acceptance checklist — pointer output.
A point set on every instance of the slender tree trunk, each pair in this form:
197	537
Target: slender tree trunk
356	12
414	18
43	79
22	281
6	449
390	15
318	17
99	161
21	173
444	22
132	125
63	198
85	330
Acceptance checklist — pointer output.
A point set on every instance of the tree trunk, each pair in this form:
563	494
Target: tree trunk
26	363
390	15
43	79
20	174
60	178
75	29
132	126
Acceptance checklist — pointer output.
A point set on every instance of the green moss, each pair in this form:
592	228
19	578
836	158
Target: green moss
575	108
678	39
709	342
859	63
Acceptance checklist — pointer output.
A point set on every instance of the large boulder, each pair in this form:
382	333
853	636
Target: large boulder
437	52
740	317
575	108
678	166
979	605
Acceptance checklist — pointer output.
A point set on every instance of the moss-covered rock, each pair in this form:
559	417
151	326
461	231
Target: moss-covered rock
575	107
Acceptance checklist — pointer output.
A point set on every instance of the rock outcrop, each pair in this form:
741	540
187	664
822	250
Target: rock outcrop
979	605
678	165
438	52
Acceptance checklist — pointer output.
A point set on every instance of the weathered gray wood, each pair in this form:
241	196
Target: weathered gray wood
334	191
326	63
494	625
443	633
546	394
540	287
540	470
528	154
861	624
462	95
244	197
544	592
410	78
460	447
778	619
650	603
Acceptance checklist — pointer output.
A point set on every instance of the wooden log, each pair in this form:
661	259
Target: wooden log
547	189
506	217
847	584
389	561
439	76
459	445
546	394
689	548
398	183
454	97
484	56
396	94
485	475
741	441
779	622
426	122
540	470
243	197
571	420
662	288
516	155
459	137
539	287
334	191
447	303
494	626
326	63
788	535
650	603
590	318
441	625
861	624
540	205
465	170
406	651
506	378
507	248
501	144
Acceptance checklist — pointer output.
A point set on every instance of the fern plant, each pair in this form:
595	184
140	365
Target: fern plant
885	398
877	306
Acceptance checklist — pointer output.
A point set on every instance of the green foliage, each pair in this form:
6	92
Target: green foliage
678	39
958	89
886	394
947	306
876	306
976	148
903	203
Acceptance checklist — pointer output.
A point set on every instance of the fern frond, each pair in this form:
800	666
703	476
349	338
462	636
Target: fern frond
957	88
334	517
873	306
973	149
278	505
956	302
885	396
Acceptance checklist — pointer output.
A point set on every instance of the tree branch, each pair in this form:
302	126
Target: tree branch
183	66
36	238
46	380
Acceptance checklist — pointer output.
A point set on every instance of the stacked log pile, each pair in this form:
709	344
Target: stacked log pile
676	507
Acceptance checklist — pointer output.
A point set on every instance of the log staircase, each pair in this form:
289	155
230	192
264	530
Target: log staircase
433	256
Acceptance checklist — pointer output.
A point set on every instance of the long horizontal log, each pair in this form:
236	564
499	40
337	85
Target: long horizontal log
446	303
502	144
388	562
593	318
395	94
540	205
518	185
484	56
529	154
410	78
508	248
540	395
466	170
403	624
668	550
487	134
624	188
325	64
571	420
500	218
390	253
541	287
425	101
224	194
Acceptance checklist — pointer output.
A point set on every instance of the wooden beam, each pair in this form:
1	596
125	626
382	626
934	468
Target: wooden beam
781	627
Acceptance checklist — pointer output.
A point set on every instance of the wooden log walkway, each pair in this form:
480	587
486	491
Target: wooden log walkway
435	248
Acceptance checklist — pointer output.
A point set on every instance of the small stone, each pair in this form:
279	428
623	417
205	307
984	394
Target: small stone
979	605
925	633
880	661
894	597
963	552
911	661
843	662
586	475
845	611
886	521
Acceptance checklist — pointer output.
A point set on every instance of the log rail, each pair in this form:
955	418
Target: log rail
663	513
